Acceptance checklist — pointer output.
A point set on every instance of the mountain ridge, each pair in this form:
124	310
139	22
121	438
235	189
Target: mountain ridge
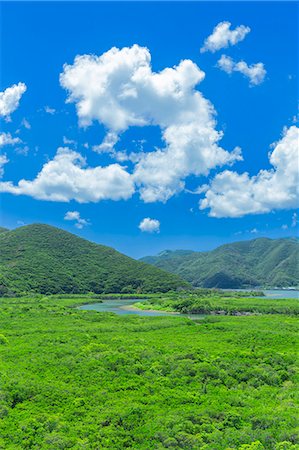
45	259
241	264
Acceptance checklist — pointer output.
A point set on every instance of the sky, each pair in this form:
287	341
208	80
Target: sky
150	126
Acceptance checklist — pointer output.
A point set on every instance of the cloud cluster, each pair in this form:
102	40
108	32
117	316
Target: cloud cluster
120	90
10	98
149	225
234	195
7	139
67	177
255	72
76	217
223	37
3	160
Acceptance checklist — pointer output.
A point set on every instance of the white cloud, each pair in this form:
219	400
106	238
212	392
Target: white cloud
254	231
76	217
255	72
234	195
49	110
284	227
26	124
3	161
120	90
10	98
107	146
67	177
22	150
223	37
150	225
7	139
294	220
67	141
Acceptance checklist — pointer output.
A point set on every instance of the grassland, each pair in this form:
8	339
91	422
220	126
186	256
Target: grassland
73	379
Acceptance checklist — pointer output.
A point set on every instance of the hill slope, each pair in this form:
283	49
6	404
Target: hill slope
259	262
41	258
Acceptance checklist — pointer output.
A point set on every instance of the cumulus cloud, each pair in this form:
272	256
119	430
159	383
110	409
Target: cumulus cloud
107	146
223	37
3	160
67	177
76	217
255	72
149	225
7	139
120	90
234	195
10	99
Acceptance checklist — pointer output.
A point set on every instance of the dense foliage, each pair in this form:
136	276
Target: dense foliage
219	302
44	259
259	262
73	379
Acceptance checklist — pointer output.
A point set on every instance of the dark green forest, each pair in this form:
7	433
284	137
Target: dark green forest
43	259
73	379
259	262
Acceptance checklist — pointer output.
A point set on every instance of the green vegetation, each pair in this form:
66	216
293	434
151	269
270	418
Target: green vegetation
44	259
259	262
217	302
73	379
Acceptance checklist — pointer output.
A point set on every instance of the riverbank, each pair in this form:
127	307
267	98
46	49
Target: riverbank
135	308
213	304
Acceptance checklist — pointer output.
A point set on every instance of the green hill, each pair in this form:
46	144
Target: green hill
2	229
44	259
259	262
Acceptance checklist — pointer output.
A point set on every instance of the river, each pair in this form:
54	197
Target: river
122	306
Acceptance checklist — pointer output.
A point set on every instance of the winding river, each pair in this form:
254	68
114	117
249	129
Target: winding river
123	306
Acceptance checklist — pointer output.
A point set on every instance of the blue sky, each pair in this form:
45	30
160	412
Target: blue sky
252	113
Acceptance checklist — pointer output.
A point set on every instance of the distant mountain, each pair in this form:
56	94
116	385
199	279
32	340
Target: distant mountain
44	259
259	262
3	229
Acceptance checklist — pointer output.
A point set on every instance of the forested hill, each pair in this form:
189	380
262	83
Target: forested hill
44	259
259	262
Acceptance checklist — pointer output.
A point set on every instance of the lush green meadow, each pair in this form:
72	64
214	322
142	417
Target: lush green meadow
73	379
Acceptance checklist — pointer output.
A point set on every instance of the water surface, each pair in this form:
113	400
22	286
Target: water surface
274	293
118	306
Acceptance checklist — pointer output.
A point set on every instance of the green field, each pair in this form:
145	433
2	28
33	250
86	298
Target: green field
73	379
